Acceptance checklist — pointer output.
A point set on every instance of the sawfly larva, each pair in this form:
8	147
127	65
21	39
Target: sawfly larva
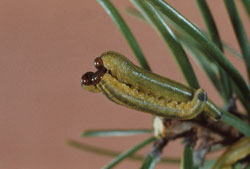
129	85
234	153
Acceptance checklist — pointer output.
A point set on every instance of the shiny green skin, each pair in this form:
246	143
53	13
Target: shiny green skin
137	88
147	81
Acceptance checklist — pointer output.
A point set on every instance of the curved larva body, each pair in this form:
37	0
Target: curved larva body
131	86
234	153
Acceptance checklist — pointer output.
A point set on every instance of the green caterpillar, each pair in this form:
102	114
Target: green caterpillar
234	153
129	85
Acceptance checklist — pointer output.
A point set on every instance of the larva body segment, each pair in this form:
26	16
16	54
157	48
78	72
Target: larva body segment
127	84
126	72
130	97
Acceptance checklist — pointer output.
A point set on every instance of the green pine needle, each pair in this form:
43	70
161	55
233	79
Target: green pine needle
154	17
128	153
121	24
187	158
204	42
102	133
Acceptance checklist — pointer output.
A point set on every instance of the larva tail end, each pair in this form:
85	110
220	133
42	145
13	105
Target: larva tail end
212	111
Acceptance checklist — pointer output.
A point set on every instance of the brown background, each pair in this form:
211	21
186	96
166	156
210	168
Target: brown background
45	47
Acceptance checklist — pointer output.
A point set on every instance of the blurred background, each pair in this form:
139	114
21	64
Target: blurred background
45	47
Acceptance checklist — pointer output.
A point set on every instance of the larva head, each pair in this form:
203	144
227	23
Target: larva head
112	62
89	80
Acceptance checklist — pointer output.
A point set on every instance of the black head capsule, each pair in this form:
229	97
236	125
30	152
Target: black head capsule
91	78
88	78
100	73
98	63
